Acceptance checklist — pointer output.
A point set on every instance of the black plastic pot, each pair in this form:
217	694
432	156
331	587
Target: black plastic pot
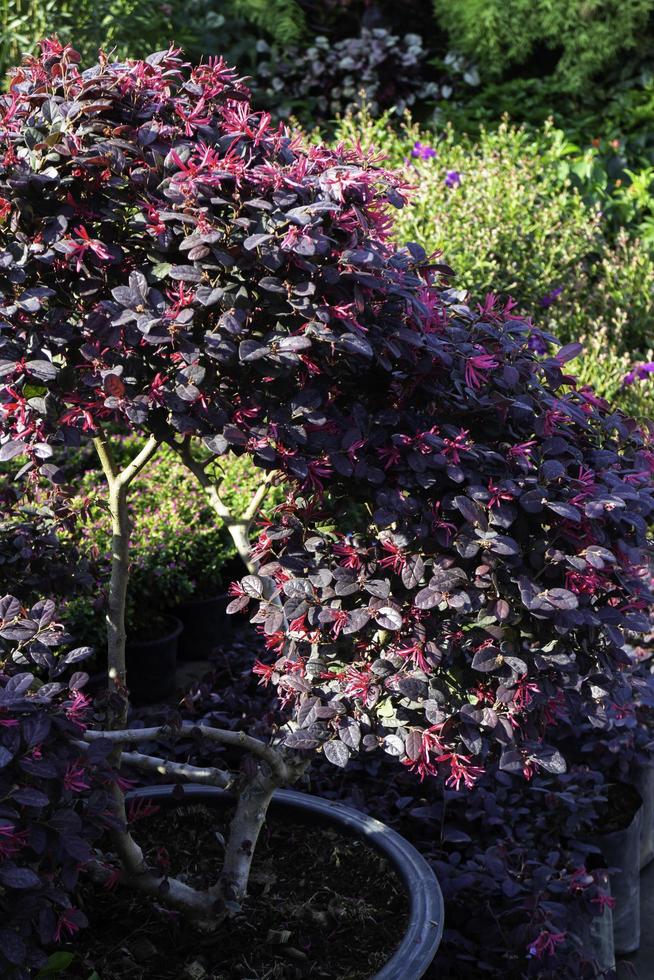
151	665
643	780
206	626
601	932
426	911
621	851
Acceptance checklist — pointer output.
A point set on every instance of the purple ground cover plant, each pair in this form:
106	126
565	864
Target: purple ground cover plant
460	562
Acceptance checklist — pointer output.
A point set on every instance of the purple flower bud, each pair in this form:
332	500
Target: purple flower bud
422	151
638	373
452	178
549	298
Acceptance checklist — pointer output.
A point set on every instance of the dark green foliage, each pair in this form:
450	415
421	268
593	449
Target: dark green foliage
572	39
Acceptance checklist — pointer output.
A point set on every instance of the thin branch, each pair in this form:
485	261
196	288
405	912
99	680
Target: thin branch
165	767
241	740
260	495
194	774
125	477
106	458
237	528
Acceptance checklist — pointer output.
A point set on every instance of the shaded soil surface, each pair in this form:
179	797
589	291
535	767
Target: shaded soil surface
320	904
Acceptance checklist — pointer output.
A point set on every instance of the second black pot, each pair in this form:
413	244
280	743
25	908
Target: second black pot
151	664
206	626
621	850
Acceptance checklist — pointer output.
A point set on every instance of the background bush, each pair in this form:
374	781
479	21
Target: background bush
576	38
504	210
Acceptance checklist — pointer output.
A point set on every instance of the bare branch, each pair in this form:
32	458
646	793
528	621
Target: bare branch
258	498
237	528
208	775
241	740
105	456
125	477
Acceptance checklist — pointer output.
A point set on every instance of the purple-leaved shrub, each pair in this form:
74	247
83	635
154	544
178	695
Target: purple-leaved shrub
462	557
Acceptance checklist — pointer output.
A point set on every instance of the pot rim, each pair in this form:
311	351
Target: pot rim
424	929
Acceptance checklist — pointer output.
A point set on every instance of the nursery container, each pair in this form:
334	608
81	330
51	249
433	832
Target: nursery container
643	780
206	626
601	933
621	850
426	912
151	664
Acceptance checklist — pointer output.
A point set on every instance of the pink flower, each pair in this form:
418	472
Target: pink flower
395	559
77	708
69	922
87	244
391	456
430	744
339	621
460	770
264	671
524	691
358	683
11	840
318	470
476	368
604	901
497	495
545	944
454	447
74	779
415	653
349	555
522	452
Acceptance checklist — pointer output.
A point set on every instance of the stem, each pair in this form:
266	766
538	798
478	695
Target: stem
128	851
239	740
249	817
208	775
238	528
258	498
118	483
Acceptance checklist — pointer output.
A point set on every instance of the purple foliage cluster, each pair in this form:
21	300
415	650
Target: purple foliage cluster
55	800
463	560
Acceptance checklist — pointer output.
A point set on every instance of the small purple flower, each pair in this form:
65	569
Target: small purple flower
452	178
549	298
422	151
638	373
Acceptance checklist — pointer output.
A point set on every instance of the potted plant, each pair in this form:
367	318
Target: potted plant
463	539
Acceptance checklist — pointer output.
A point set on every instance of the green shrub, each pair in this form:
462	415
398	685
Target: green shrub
133	28
579	37
510	222
509	219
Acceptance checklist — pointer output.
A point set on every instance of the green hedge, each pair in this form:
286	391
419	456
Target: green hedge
509	219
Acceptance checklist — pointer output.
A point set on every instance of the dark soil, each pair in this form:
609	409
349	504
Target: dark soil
320	904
